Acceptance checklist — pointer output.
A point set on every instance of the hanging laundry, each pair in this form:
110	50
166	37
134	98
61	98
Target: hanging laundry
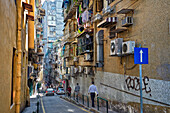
80	9
80	20
84	17
81	29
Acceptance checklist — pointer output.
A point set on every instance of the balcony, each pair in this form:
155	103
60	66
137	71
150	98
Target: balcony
72	10
88	30
29	17
73	34
66	54
42	12
27	6
65	37
39	27
40	54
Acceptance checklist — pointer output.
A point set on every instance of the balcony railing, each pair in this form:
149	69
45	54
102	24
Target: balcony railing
42	12
72	10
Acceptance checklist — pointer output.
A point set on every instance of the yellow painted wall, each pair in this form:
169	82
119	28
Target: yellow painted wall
8	39
7	43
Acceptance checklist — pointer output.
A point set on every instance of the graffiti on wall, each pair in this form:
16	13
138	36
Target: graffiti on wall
134	83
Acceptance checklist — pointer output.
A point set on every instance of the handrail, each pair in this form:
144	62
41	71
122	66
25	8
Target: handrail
104	100
74	96
87	100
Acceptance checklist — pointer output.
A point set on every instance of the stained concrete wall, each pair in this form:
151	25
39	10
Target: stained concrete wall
150	29
7	43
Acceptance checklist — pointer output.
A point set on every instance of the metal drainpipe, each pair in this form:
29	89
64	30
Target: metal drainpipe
18	84
94	35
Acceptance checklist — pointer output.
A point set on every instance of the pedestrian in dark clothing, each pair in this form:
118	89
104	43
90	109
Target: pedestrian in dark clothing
69	91
92	91
77	89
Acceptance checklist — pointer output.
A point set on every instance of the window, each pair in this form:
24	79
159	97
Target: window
75	50
85	44
99	5
15	2
64	63
71	51
52	28
51	32
110	1
53	8
66	70
112	35
12	77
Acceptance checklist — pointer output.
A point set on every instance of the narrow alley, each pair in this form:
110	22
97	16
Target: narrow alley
78	56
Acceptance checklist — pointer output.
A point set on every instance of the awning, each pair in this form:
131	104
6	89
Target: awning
29	17
40	54
74	42
106	22
118	30
124	11
42	12
67	42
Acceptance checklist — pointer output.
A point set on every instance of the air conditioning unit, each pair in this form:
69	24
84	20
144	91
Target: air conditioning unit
116	47
75	70
87	57
127	21
80	68
128	47
75	59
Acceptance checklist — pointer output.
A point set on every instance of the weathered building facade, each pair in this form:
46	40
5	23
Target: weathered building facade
8	56
98	45
14	43
52	26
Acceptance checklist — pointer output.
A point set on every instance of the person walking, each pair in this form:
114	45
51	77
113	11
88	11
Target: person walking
77	89
92	90
69	91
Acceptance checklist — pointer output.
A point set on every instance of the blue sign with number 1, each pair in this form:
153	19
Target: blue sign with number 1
141	55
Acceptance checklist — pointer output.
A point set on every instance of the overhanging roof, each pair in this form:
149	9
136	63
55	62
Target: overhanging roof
124	11
118	30
29	17
27	6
